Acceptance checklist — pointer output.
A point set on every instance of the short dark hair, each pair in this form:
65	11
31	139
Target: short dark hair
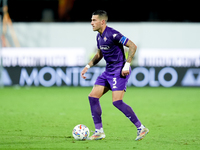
101	13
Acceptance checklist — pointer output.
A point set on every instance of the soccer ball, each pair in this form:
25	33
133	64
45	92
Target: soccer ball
81	132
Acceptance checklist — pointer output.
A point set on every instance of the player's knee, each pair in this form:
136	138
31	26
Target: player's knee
95	94
91	95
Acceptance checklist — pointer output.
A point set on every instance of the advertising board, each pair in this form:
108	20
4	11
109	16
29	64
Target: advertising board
70	76
169	57
32	57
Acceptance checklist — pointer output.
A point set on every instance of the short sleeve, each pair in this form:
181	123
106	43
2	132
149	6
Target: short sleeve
97	42
118	37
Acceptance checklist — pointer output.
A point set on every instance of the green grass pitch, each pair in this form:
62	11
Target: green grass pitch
43	118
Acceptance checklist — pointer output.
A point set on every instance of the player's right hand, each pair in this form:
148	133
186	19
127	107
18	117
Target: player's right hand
83	72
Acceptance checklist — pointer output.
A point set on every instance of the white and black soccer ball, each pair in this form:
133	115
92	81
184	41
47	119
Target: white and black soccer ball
81	132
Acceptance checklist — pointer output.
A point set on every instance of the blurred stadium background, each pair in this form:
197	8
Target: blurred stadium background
47	42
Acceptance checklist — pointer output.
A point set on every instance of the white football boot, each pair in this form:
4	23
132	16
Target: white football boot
97	135
141	133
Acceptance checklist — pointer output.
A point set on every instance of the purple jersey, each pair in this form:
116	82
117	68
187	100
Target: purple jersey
111	45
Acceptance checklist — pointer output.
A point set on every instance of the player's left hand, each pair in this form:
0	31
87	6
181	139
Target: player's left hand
125	72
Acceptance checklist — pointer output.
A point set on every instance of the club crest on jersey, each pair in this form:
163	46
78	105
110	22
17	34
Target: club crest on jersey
105	39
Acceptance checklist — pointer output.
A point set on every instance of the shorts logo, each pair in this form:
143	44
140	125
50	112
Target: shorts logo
115	82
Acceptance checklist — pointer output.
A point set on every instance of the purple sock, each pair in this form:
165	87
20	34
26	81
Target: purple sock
128	112
96	112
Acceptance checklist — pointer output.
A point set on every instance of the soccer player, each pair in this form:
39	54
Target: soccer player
110	46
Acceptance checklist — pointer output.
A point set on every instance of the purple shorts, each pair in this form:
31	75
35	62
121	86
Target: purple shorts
115	82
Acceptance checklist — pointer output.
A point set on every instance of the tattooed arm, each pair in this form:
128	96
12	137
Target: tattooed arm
96	58
132	49
93	62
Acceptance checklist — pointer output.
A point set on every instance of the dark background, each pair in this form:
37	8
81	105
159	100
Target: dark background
118	10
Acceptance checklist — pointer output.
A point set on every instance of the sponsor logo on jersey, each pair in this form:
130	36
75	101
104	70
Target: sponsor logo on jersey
104	47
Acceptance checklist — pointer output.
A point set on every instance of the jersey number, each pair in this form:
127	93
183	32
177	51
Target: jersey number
115	82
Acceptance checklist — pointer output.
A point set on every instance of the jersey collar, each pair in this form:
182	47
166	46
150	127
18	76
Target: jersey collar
104	32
